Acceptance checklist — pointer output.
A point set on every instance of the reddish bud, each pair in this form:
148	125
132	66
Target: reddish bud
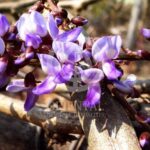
79	21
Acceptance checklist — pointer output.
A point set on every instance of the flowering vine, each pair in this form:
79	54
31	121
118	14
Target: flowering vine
57	43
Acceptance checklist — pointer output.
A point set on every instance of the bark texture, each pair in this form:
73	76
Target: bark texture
106	127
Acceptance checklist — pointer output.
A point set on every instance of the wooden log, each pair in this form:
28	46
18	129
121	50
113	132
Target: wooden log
106	126
49	120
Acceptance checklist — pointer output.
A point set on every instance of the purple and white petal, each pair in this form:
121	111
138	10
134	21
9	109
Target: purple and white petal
45	87
130	81
50	65
16	86
33	40
110	70
37	24
93	96
70	36
92	76
2	46
52	26
106	48
126	86
67	52
81	39
145	32
65	74
31	99
4	25
22	26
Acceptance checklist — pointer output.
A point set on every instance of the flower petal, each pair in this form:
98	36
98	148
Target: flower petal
2	46
106	48
65	74
33	40
30	100
33	23
67	52
126	86
110	70
93	96
47	86
4	25
51	26
145	32
92	75
50	65
22	26
70	36
37	24
16	86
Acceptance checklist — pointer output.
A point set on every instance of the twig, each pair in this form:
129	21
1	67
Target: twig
50	120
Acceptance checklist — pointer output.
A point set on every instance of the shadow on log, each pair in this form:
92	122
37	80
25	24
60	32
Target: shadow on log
17	135
106	127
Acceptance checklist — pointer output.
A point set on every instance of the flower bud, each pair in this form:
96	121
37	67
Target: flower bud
4	25
79	21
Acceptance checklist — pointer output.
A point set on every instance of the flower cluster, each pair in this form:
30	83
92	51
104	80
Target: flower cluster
58	44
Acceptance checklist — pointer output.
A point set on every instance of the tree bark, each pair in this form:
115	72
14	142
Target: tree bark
107	126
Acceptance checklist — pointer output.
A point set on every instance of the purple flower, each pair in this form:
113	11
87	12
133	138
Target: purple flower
2	46
67	52
4	25
24	85
56	74
66	36
104	50
110	70
126	86
145	32
92	77
31	27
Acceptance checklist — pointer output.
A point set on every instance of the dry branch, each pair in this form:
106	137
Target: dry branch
50	120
